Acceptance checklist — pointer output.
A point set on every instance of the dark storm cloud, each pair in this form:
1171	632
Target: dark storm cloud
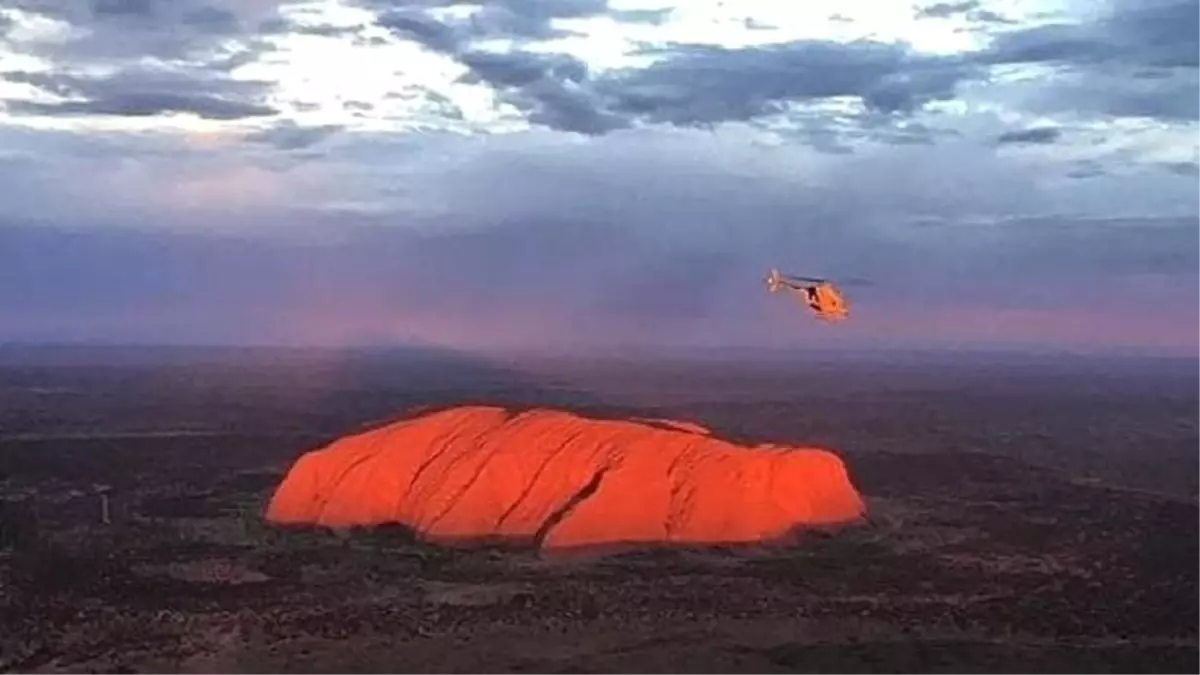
694	85
517	69
144	91
970	10
1109	64
530	19
145	105
1066	43
206	19
162	56
517	19
520	20
655	17
705	84
115	30
549	88
1139	59
558	106
418	27
1034	135
324	30
1156	34
429	100
1136	33
552	90
942	10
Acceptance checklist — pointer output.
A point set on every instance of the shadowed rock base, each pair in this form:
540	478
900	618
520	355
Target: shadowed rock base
563	482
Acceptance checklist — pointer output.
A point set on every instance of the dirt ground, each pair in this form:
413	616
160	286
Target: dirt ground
1046	526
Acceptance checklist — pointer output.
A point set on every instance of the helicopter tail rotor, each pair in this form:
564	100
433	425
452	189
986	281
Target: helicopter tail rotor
774	280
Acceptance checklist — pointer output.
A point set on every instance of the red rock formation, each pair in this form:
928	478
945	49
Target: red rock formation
561	481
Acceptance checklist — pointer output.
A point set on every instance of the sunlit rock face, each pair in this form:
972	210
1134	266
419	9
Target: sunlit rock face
561	481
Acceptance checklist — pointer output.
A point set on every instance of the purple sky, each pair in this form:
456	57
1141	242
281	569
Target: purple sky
591	175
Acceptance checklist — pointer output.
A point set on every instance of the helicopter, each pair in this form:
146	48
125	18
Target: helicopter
820	295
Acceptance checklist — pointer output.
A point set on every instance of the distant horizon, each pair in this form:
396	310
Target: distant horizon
634	353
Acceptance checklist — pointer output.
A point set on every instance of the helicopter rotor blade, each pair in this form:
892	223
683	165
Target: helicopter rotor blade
843	281
811	280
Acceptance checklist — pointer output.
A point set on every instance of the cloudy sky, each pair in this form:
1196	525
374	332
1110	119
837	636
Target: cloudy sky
592	173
